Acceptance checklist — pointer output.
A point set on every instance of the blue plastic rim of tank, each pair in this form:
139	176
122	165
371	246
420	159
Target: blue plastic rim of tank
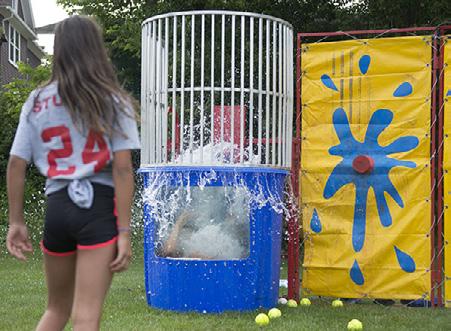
214	286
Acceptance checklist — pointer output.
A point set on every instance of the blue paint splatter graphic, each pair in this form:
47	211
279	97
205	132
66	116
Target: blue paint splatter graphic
378	179
405	260
356	274
448	93
403	90
315	222
367	165
327	81
364	64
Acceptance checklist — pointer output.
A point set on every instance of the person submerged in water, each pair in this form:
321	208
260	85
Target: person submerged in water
191	237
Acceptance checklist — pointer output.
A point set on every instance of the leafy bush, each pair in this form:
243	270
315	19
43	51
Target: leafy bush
12	97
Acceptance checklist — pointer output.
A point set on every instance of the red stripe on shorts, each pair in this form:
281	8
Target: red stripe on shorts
106	243
45	250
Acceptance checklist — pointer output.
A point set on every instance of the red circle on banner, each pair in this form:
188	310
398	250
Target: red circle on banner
363	164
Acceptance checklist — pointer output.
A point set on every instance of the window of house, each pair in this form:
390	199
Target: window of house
14	5
13	45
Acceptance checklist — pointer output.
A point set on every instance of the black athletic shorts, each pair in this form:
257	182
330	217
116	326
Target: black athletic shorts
68	227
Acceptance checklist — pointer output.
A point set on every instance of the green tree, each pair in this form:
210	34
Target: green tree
376	14
12	97
122	19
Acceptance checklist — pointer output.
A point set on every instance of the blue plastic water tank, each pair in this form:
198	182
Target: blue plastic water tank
212	286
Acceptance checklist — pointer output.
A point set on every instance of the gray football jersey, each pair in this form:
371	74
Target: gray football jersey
47	137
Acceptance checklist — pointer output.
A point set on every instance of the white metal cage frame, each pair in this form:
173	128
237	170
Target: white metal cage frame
217	89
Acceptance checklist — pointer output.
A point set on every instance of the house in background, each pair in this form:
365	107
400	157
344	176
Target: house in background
19	39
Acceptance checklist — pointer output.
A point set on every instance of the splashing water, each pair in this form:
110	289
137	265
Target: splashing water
211	221
226	153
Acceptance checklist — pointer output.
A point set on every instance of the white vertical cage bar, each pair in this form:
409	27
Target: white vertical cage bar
165	90
202	101
264	91
284	115
274	88
251	89
212	95
222	87
242	54
232	85
289	125
260	87
182	92
144	58
152	75
191	103
158	94
174	89
268	78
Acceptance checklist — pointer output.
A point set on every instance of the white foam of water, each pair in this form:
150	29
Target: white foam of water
221	244
226	153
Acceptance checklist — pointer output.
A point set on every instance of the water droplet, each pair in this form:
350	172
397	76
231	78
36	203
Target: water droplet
364	64
356	274
405	261
403	90
315	222
328	82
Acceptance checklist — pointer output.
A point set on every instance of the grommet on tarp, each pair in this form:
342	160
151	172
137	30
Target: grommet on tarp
363	164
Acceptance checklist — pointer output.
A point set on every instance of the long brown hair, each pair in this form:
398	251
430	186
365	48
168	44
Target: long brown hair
87	83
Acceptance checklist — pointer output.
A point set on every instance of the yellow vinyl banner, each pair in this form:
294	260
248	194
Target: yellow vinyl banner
365	168
447	169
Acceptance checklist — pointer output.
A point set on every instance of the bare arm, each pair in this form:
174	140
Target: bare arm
170	245
15	181
17	241
124	190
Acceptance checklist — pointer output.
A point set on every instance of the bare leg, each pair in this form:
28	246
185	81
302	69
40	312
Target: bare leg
60	275
92	281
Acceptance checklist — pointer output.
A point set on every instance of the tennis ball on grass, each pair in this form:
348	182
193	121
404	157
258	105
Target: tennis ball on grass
292	303
355	324
337	303
262	319
274	313
305	302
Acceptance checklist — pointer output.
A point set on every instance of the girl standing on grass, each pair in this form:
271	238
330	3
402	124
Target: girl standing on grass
78	130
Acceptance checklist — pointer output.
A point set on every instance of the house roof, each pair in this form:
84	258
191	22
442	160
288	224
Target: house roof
24	27
28	13
47	29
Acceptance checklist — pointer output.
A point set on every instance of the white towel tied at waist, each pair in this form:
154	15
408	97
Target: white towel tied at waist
81	193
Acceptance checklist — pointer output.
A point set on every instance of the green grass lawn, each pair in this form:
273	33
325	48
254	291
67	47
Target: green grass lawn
23	297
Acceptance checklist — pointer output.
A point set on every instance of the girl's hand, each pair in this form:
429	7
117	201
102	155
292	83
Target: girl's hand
124	253
18	241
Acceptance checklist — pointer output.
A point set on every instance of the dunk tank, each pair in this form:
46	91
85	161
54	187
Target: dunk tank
217	101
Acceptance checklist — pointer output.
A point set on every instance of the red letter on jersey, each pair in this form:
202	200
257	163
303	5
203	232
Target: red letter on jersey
101	156
63	132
